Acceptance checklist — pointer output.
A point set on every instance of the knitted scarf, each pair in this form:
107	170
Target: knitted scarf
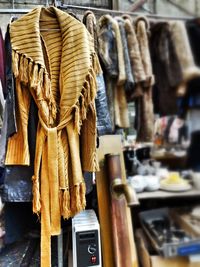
58	68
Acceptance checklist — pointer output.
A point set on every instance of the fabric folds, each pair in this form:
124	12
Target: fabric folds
59	72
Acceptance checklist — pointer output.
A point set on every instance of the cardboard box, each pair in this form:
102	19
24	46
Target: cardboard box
148	260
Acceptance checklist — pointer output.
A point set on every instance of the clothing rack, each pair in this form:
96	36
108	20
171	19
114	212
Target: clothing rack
99	11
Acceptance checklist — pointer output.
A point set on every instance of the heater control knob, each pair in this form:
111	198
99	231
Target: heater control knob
92	248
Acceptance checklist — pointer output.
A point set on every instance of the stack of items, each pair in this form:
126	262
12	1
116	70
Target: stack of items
167	234
174	182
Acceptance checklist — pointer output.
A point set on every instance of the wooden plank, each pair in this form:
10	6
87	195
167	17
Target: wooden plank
164	194
111	144
158	261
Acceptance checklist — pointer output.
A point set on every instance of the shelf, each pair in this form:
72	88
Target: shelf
165	194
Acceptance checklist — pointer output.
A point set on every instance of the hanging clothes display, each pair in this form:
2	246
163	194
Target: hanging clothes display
129	70
109	37
59	71
58	100
168	41
103	117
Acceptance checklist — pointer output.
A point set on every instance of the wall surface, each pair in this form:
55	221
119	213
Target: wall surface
166	7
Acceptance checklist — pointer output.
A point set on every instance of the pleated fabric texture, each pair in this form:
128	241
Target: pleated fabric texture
58	68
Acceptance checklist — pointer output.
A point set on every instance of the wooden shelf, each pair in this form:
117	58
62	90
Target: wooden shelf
165	194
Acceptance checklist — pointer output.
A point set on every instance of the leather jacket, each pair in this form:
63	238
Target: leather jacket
103	116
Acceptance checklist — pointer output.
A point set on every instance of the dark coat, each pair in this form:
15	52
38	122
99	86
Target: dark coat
17	185
2	64
166	69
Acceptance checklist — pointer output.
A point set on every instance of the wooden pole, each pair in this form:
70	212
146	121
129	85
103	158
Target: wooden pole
120	233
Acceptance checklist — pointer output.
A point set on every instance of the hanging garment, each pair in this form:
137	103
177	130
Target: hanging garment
109	42
90	22
9	122
193	30
135	58
2	106
17	186
142	29
191	100
121	107
107	52
145	120
2	64
107	46
59	71
183	50
103	117
129	83
10	87
166	68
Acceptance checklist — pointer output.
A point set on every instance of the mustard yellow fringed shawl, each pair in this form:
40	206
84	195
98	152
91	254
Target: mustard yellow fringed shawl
58	68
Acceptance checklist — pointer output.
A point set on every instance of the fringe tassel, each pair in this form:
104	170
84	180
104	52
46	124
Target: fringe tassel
96	65
46	86
86	97
49	97
40	81
78	202
21	68
78	121
34	77
26	72
82	107
82	194
86	92
36	195
30	69
15	63
61	200
66	211
93	85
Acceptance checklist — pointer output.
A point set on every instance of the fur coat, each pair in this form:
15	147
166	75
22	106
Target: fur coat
109	40
144	104
166	68
189	70
173	64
